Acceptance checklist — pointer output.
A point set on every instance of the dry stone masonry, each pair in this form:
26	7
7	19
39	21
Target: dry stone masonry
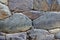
29	20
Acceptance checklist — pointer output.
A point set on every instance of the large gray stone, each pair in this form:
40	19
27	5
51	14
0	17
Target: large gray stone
40	34
49	20
18	5
4	11
17	22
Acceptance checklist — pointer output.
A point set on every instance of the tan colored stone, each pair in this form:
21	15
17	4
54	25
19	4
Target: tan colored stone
40	5
54	31
4	1
4	11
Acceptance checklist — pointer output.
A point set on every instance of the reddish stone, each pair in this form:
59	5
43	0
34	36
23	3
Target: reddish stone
33	14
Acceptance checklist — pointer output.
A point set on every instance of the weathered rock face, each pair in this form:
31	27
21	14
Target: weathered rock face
40	34
49	20
33	14
16	36
46	5
4	11
40	5
54	6
4	1
17	22
17	5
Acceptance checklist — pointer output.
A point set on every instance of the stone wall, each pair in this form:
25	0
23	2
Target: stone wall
29	20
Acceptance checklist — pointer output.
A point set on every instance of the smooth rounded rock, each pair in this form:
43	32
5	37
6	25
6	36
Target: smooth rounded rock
17	22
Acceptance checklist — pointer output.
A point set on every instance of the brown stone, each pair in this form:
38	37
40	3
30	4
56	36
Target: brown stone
40	5
33	14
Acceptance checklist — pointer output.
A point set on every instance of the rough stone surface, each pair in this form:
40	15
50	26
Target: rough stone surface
40	5
46	5
40	34
33	14
49	20
4	1
4	11
17	22
16	36
21	5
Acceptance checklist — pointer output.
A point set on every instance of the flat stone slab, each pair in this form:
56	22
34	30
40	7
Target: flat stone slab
20	4
49	20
